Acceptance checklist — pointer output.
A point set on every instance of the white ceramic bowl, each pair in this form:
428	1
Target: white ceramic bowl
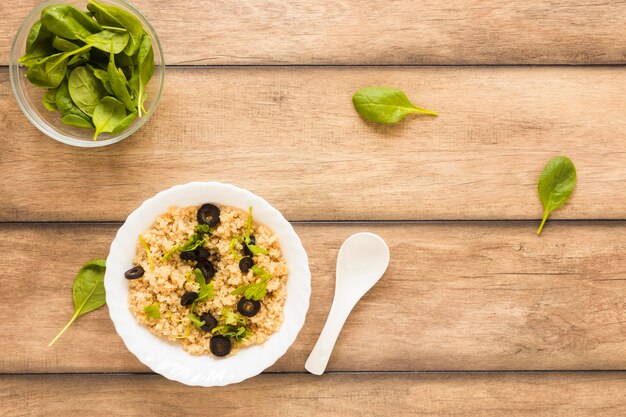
169	359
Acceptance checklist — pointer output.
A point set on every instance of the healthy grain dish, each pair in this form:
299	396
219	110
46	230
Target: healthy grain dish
210	278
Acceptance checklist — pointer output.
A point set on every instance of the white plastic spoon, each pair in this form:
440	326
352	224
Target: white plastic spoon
362	261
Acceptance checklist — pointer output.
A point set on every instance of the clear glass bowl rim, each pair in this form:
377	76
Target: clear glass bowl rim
39	122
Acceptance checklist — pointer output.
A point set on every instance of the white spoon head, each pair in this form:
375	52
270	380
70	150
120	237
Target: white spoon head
362	261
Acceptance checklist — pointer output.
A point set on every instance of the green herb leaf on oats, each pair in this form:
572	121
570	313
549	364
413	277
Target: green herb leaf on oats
146	248
202	229
195	320
152	311
255	291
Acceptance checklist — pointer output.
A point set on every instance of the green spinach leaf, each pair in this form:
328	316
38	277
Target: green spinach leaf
556	183
68	22
38	45
50	71
145	70
125	122
85	89
118	83
113	16
107	115
103	77
65	104
385	105
63	45
49	99
108	41
87	291
76	120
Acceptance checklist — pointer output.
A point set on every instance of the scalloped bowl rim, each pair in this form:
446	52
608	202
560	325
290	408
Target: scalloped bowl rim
168	358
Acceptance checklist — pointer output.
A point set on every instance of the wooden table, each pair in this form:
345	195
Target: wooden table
476	314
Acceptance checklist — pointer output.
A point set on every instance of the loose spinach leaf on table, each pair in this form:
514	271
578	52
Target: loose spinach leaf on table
107	115
556	183
87	291
385	105
113	16
85	89
68	22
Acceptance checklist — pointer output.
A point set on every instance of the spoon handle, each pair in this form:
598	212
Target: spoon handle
318	359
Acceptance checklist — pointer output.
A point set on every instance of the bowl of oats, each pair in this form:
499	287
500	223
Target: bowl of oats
207	284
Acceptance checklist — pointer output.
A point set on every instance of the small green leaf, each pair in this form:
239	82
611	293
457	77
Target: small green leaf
49	99
63	45
86	90
108	41
257	250
556	183
87	291
146	249
49	72
385	105
228	316
195	320
256	290
152	311
107	115
113	16
68	22
202	229
76	120
145	68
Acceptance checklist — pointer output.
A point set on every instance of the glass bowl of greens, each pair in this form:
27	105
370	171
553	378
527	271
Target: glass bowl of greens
87	73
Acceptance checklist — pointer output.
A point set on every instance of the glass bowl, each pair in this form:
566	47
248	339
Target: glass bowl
49	122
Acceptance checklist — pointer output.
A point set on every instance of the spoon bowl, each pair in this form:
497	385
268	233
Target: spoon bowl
362	261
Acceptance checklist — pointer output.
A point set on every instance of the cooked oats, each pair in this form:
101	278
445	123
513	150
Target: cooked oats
169	280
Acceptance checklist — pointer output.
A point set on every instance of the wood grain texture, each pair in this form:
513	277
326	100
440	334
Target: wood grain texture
373	32
463	395
471	296
293	137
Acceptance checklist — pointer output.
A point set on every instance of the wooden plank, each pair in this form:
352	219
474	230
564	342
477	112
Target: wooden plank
293	137
471	296
373	32
516	395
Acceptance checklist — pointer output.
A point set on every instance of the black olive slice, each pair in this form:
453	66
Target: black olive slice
209	214
248	308
134	273
245	264
209	322
188	298
220	345
189	256
201	253
207	269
